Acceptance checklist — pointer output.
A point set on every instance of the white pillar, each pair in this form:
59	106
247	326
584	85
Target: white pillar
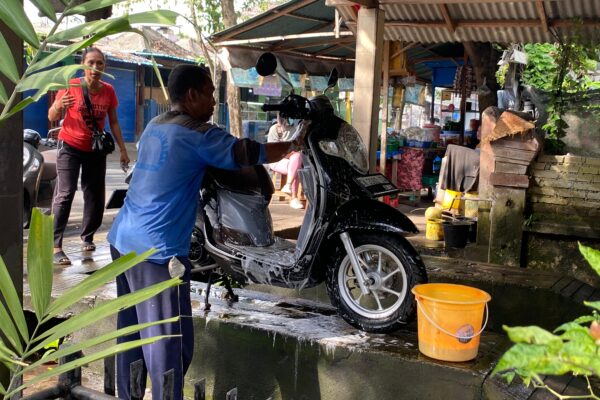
367	77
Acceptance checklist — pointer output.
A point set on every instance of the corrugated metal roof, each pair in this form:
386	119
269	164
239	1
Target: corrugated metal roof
469	14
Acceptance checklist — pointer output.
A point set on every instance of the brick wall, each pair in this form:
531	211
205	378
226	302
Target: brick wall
564	197
563	209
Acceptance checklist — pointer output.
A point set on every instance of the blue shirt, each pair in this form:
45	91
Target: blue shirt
160	208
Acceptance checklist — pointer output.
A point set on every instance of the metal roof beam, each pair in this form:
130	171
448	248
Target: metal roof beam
488	23
457	1
446	14
281	38
315	44
305	18
363	3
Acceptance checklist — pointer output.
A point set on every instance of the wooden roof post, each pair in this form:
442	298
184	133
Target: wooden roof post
367	78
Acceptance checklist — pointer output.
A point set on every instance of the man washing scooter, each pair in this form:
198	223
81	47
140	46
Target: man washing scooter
159	212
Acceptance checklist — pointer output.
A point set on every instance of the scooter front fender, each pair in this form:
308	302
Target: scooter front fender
367	214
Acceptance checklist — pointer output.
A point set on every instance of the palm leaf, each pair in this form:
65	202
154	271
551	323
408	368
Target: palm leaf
118	348
39	261
3	96
94	281
10	296
13	15
116	26
2	389
154	64
46	8
22	104
68	350
8	66
91	6
100	311
56	78
9	330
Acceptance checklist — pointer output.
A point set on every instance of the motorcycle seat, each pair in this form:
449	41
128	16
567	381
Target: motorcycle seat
253	180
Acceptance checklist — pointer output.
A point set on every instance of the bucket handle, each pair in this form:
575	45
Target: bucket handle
487	314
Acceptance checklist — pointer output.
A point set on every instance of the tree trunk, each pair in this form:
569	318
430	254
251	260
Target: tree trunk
233	92
215	67
484	59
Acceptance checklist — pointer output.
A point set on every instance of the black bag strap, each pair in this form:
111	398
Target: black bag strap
88	103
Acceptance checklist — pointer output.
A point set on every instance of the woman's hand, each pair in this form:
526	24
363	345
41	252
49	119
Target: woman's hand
65	102
124	158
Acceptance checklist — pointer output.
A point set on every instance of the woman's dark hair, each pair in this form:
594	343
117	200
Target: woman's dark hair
184	77
89	50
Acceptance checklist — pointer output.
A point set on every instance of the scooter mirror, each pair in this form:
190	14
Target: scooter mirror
333	78
266	64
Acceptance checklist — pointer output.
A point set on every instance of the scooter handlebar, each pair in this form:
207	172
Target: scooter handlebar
272	107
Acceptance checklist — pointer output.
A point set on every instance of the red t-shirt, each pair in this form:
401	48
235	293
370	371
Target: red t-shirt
77	126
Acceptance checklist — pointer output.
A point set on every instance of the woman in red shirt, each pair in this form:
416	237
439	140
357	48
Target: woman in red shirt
75	151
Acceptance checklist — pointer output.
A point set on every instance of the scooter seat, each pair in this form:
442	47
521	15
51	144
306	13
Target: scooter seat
253	180
49	170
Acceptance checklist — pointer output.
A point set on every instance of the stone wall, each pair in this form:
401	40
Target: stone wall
563	207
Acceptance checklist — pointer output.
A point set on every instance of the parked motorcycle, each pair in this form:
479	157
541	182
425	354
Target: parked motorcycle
349	239
39	171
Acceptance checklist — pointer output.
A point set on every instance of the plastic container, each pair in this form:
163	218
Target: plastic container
450	320
434	230
456	234
451	200
419	144
434	130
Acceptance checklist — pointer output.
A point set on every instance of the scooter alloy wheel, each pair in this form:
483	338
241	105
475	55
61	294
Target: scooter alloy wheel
392	267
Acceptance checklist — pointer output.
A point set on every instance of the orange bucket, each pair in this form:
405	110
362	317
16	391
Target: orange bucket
450	320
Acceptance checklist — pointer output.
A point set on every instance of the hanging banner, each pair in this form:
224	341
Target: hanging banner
268	86
412	94
346	84
248	78
318	83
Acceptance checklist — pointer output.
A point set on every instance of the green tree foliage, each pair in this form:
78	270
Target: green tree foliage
18	343
80	37
573	347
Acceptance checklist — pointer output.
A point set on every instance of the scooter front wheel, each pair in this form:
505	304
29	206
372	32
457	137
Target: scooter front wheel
391	268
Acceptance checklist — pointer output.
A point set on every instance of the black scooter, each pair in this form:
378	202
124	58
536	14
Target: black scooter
39	171
348	238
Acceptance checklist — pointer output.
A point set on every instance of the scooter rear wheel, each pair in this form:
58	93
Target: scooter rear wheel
392	267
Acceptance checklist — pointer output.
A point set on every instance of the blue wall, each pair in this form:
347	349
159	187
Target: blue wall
35	116
125	87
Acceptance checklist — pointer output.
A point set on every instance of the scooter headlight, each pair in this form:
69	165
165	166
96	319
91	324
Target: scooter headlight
348	146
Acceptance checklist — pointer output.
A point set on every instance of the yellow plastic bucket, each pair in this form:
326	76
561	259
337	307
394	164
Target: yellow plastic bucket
449	319
434	229
452	201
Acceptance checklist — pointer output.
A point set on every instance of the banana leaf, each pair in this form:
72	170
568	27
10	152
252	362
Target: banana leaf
39	262
80	362
7	66
46	8
11	299
56	78
13	15
93	282
91	6
100	311
74	348
164	17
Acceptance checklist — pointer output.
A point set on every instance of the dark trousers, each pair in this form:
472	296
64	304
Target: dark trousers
166	354
93	172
